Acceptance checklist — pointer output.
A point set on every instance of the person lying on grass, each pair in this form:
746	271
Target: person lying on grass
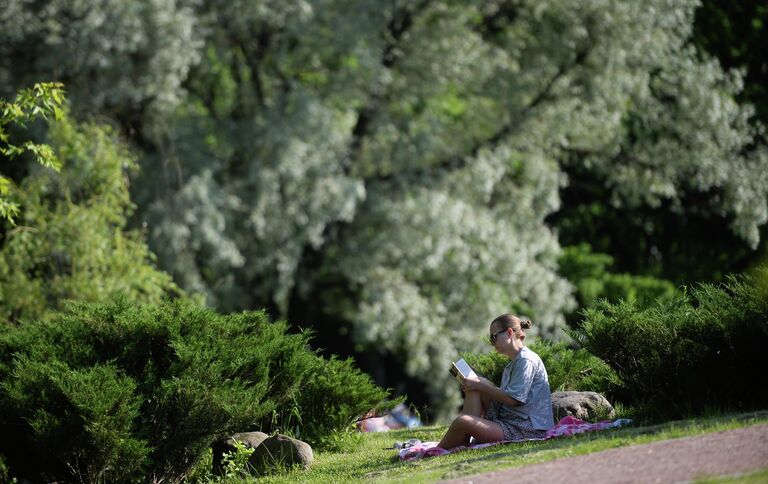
520	409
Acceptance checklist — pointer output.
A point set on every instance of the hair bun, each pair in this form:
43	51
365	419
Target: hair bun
525	323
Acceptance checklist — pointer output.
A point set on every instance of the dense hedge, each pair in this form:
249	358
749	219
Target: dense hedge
703	349
115	392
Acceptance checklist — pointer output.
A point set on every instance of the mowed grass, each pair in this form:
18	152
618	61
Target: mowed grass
754	477
370	457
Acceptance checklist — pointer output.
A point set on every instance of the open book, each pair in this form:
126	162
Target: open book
461	370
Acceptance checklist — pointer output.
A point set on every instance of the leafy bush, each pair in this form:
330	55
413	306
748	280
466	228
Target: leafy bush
567	369
329	399
40	101
588	272
72	240
575	369
116	391
235	467
236	463
704	348
490	365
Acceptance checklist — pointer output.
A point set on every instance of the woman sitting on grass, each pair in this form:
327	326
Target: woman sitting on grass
518	410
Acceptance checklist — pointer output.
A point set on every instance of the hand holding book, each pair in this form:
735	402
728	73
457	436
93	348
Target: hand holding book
461	370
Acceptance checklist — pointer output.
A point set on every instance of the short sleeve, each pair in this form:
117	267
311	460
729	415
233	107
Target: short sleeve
520	380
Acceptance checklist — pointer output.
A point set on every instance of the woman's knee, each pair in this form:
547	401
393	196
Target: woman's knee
463	421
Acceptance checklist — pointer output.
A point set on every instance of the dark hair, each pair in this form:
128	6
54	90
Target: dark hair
506	321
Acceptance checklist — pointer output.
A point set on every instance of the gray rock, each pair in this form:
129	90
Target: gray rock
280	451
582	405
250	439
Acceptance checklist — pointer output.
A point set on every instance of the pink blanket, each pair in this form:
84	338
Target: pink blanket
566	426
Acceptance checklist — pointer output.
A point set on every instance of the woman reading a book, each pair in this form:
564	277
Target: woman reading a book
519	409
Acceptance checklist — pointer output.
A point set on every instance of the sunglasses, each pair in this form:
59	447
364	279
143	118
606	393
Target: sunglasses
493	337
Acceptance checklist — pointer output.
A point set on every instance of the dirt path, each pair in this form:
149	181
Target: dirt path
683	459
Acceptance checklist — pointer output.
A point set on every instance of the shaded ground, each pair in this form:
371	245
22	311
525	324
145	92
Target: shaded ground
714	454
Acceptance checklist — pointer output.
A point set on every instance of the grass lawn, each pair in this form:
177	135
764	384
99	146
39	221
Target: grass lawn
757	477
371	457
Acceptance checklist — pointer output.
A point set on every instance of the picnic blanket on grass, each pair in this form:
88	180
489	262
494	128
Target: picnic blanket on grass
565	427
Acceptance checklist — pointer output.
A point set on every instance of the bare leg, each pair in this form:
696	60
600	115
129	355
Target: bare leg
465	425
475	403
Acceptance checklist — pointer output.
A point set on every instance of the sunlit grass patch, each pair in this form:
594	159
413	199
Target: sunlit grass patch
754	477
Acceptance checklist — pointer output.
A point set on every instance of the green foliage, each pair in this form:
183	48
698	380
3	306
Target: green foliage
403	165
40	101
567	368
87	414
641	289
71	241
704	348
202	471
574	369
235	466
489	365
346	440
729	31
113	55
588	272
332	398
322	411
118	391
5	474
236	463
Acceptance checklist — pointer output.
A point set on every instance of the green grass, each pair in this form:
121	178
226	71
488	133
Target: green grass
371	457
755	477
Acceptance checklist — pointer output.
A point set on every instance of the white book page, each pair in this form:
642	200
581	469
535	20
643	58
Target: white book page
465	369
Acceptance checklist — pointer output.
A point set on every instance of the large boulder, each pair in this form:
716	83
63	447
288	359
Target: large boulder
219	448
582	405
280	451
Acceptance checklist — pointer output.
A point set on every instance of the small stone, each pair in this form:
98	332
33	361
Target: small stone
280	451
250	439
